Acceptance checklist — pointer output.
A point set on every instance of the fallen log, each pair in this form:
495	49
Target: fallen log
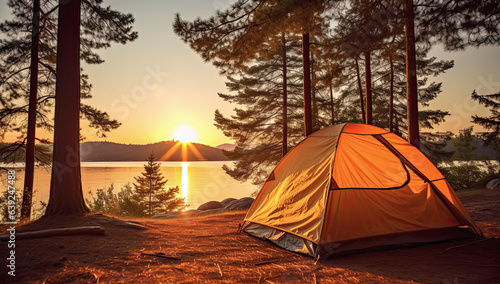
84	230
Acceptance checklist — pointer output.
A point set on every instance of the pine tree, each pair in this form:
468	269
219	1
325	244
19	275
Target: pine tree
466	173
15	50
31	128
233	37
458	24
465	145
66	196
256	126
236	39
411	76
382	30
100	26
492	123
150	189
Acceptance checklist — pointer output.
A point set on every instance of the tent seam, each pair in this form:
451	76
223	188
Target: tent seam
269	176
447	203
327	189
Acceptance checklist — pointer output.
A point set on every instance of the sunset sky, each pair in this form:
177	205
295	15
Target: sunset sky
157	83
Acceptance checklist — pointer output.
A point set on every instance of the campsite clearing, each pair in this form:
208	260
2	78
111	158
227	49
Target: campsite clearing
208	249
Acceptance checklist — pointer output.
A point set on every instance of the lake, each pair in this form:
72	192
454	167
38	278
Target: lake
199	181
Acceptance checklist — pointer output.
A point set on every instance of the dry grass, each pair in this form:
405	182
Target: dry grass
208	249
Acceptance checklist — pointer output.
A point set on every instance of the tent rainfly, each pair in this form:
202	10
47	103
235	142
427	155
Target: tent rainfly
353	187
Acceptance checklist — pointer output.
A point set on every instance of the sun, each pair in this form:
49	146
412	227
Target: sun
184	133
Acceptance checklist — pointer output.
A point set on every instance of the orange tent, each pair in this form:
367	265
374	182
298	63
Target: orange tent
352	187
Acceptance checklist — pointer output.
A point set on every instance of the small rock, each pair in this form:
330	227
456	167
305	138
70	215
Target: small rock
240	204
493	184
210	205
213	211
226	201
247	199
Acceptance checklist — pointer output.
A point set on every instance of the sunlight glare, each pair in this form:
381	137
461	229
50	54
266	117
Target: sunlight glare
184	134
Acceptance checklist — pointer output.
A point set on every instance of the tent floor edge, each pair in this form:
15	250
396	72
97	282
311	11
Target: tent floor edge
393	241
281	239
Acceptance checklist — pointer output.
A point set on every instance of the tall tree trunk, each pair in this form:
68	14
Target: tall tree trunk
284	145
306	69
314	100
396	125
360	90
66	195
391	95
368	86
30	139
332	102
411	77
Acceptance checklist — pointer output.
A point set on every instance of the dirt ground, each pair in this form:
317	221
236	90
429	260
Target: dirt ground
208	249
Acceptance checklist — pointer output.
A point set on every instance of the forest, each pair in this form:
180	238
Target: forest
294	67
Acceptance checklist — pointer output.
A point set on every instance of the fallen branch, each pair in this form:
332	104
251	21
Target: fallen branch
85	230
482	240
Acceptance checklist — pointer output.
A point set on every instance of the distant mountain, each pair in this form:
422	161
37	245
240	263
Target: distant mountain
164	151
226	146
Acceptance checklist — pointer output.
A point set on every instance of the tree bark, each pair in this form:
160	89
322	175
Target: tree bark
314	100
66	195
333	103
284	145
391	95
30	139
368	86
360	90
306	69
411	77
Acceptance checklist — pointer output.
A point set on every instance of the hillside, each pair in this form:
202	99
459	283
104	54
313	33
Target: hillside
226	147
164	151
